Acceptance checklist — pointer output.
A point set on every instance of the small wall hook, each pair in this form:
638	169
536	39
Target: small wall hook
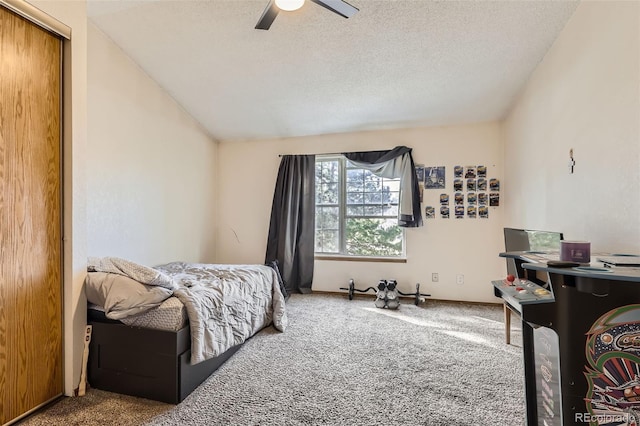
572	162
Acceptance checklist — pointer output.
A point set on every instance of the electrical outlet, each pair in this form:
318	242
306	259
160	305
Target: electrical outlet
460	279
434	277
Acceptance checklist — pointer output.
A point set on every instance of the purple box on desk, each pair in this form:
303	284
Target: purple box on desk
575	251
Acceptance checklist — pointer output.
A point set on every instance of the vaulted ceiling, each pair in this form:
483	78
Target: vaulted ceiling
395	64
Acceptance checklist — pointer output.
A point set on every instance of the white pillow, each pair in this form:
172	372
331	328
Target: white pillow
122	296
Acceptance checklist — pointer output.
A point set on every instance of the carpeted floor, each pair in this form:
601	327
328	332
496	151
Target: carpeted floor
344	362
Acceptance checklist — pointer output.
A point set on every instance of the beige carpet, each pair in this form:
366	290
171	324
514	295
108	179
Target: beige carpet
344	362
98	408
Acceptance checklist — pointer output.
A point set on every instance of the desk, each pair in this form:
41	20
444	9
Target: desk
581	347
517	259
513	298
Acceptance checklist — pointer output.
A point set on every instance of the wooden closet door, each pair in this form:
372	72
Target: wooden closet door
30	224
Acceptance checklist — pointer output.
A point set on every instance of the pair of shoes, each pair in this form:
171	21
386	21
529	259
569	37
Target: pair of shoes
387	295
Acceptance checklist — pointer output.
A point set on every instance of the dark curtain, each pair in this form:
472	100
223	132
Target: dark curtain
292	226
395	163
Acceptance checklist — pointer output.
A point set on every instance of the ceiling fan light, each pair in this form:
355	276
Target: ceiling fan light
289	5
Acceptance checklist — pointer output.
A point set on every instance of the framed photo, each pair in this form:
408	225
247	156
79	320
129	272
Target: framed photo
483	212
429	212
420	172
434	177
444	212
470	173
471	212
459	211
494	184
471	185
471	198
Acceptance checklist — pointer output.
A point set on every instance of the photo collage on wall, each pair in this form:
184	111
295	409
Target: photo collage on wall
473	191
430	178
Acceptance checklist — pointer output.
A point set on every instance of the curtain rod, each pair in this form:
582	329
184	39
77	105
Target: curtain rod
341	153
323	153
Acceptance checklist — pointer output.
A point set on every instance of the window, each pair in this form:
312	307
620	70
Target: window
356	211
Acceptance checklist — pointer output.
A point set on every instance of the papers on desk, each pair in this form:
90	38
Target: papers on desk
538	257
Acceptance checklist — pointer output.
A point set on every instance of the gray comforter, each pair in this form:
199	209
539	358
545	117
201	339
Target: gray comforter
226	304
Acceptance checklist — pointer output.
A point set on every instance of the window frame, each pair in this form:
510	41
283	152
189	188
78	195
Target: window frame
342	219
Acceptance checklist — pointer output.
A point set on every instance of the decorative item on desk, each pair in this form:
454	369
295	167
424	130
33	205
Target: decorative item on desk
575	251
561	264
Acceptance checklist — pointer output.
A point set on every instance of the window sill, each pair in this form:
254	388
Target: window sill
361	258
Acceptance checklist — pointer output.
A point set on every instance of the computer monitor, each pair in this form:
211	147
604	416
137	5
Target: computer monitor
516	239
531	240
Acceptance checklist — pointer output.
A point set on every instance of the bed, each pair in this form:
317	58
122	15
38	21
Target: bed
159	332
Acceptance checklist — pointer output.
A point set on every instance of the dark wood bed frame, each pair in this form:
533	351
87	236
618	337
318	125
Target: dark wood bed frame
147	363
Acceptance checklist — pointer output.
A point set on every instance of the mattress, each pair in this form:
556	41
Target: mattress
170	315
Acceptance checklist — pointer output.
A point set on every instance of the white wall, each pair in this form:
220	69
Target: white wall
447	246
585	95
126	109
152	167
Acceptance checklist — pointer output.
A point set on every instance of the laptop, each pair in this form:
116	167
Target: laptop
620	260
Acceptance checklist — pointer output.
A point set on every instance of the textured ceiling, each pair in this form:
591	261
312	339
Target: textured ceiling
395	64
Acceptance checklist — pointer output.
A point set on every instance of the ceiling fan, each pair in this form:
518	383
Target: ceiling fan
340	7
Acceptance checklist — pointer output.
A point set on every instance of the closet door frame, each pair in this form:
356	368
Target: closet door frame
63	33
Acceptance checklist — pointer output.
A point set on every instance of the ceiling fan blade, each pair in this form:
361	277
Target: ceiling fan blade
340	7
268	16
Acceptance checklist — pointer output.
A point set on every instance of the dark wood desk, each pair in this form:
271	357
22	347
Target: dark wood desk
581	346
517	260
